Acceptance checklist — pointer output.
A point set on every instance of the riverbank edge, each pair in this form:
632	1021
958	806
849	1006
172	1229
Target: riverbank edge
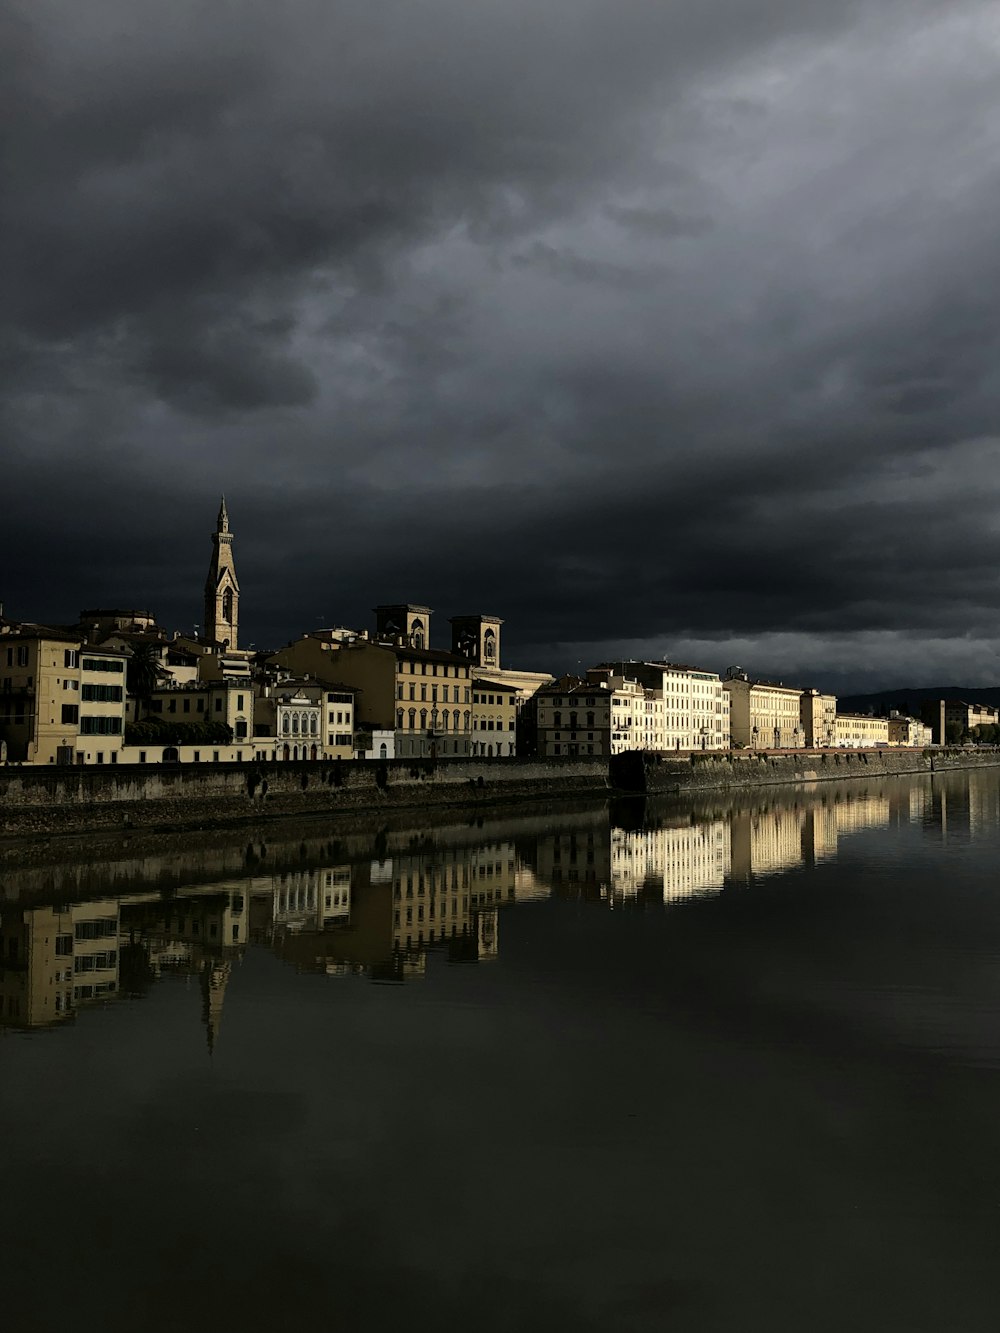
42	803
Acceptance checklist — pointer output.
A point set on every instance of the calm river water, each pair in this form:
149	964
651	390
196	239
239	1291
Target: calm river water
730	1065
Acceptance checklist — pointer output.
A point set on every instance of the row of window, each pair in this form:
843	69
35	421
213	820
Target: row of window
420	669
458	695
295	724
100	726
494	700
115	665
103	694
95	962
448	720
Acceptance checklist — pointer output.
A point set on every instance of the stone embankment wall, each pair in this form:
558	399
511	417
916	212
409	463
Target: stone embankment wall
162	796
707	772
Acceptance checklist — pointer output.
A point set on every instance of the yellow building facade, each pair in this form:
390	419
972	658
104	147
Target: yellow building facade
61	700
859	732
764	715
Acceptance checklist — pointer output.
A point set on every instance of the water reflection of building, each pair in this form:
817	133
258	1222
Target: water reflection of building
576	862
196	933
55	959
383	916
668	864
871	811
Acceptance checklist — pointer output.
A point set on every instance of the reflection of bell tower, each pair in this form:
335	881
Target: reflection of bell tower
477	638
222	592
404	622
214	979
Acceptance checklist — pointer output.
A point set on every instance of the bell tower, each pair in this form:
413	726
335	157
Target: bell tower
477	638
404	622
222	591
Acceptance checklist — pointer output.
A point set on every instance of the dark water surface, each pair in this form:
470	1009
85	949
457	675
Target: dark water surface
732	1065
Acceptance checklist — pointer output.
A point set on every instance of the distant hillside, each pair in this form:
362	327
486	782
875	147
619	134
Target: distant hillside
908	700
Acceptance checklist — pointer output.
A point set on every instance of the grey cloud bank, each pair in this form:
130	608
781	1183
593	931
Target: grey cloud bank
656	324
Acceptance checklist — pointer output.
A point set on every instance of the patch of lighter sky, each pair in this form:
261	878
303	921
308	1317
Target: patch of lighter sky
883	658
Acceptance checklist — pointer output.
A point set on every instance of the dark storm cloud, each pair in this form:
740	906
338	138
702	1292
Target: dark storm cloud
635	324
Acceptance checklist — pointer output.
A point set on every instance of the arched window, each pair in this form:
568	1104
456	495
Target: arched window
241	729
413	718
572	722
417	634
445	718
399	719
423	719
590	719
383	753
295	725
227	606
467	716
314	725
286	725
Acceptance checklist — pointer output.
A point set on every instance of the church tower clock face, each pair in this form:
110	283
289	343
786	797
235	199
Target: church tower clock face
222	590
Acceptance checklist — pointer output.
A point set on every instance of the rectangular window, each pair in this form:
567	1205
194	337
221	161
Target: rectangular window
70	714
70	658
22	655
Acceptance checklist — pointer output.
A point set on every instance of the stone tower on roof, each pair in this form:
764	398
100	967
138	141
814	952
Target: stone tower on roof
222	591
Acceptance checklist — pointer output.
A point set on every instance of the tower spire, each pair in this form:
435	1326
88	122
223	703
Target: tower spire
222	590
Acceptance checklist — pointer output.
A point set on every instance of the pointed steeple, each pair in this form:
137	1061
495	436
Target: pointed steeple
222	591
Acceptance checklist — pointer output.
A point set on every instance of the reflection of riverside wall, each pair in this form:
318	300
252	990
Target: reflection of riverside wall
67	799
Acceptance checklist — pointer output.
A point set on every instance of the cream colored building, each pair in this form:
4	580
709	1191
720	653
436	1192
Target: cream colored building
687	709
303	719
494	719
858	732
818	714
764	715
602	717
909	732
424	695
61	700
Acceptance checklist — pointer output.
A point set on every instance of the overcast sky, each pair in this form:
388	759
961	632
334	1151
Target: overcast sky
652	326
